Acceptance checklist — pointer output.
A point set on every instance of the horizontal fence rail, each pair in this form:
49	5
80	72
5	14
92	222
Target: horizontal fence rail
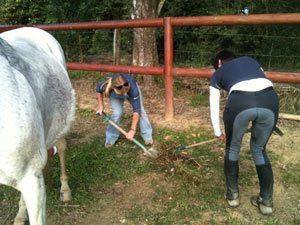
291	18
255	19
116	68
168	71
280	77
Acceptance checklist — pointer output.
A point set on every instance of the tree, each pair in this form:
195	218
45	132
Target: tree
117	46
144	41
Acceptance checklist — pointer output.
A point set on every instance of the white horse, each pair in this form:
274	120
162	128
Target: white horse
37	107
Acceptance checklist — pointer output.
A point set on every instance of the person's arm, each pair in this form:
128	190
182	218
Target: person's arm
100	102
214	99
132	131
134	99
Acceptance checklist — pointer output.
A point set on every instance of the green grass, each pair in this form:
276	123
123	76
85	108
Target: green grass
192	194
92	163
85	112
80	74
291	175
199	100
183	138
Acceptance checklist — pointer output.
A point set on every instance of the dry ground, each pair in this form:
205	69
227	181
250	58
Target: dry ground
121	197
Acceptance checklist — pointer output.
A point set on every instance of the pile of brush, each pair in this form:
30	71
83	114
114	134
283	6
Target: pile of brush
174	162
289	100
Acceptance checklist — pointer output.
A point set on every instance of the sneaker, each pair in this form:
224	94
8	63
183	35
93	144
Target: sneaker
108	145
232	203
149	142
257	202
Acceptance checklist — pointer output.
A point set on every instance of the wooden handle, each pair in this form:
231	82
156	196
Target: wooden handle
202	143
117	127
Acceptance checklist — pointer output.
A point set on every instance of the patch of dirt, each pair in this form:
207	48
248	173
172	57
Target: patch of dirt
112	208
184	116
121	198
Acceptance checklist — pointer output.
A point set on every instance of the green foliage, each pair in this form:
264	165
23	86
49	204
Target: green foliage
193	46
59	11
101	42
263	42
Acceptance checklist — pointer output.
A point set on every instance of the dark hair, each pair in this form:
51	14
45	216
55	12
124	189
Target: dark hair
224	56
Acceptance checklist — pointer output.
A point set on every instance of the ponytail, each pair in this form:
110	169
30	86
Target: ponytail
111	82
107	87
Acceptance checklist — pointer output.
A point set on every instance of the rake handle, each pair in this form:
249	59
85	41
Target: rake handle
106	118
197	144
125	133
202	143
117	127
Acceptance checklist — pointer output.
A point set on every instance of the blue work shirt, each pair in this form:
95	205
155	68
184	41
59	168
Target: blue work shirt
235	71
133	95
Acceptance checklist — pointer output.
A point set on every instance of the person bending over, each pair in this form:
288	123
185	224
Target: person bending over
119	87
251	99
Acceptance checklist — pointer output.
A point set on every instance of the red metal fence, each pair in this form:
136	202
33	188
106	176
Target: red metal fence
168	23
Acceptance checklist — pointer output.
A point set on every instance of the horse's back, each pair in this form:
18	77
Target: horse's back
37	102
46	72
38	38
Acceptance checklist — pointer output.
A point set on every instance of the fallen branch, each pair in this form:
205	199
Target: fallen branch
289	116
67	205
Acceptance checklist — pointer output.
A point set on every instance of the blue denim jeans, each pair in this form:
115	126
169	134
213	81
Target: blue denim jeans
112	134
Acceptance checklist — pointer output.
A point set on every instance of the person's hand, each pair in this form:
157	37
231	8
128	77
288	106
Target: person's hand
100	111
130	135
221	138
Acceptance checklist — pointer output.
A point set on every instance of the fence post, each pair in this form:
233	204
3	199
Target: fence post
168	40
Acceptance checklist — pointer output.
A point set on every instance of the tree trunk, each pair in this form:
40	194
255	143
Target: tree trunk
144	40
117	46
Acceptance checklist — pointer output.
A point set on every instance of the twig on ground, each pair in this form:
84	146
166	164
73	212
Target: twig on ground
196	162
67	205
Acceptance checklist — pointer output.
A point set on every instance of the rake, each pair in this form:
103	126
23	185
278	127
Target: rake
150	153
197	144
276	130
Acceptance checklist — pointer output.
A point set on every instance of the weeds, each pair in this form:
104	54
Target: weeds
187	186
199	100
80	74
291	175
